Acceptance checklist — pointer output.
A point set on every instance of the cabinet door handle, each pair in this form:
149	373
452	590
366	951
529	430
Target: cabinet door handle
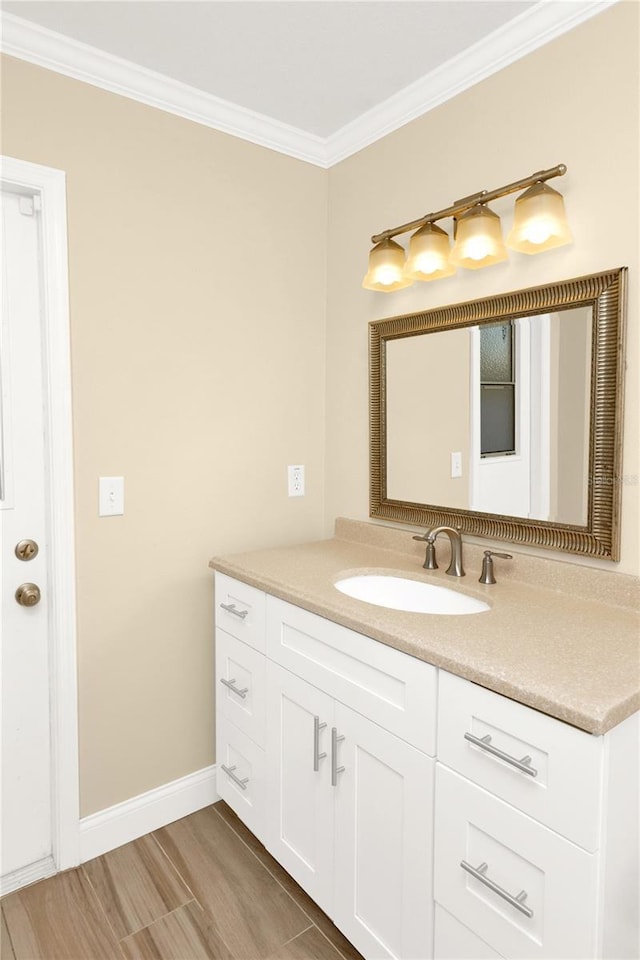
335	769
231	608
480	874
317	756
524	765
229	772
231	685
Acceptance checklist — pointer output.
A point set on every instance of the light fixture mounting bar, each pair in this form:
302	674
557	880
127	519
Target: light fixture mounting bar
484	196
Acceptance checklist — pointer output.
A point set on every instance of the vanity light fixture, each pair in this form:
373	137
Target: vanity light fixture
539	224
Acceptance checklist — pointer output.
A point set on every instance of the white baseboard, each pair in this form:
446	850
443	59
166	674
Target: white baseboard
26	875
149	811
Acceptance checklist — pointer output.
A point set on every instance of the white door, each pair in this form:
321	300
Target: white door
26	762
502	484
300	805
383	841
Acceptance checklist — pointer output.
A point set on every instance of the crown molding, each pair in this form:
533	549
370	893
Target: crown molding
532	29
53	51
522	35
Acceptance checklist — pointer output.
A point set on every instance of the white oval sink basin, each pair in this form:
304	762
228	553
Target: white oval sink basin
414	596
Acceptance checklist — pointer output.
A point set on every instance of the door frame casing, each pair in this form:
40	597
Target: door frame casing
49	186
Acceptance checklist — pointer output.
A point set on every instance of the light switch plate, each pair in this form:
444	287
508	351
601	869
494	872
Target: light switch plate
456	464
111	496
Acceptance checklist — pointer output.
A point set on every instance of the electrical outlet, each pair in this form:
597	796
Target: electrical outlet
296	480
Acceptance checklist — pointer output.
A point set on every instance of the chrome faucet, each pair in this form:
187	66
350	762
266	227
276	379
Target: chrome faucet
455	568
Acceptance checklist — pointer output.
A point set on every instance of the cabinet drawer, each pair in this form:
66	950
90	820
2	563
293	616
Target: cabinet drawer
523	868
240	777
393	689
565	791
454	941
240	685
240	610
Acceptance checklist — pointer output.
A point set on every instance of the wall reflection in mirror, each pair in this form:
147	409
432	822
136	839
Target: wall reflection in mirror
493	418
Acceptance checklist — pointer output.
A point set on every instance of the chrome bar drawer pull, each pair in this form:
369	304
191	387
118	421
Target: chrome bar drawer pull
480	874
231	608
317	756
229	772
231	685
484	743
335	769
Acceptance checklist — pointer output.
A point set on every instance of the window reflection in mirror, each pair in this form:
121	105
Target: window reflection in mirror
497	389
510	401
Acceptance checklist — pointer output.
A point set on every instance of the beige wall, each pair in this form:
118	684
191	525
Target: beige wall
574	101
421	436
198	342
197	318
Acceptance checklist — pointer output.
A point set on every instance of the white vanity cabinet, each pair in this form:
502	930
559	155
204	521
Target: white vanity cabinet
509	836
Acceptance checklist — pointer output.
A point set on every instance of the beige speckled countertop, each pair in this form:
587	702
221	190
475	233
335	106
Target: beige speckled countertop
574	658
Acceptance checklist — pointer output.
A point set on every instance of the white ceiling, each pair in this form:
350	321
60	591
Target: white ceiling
306	72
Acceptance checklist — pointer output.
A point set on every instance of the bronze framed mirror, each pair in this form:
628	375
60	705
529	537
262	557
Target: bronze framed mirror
503	416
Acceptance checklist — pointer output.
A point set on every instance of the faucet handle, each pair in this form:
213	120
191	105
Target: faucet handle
487	575
430	559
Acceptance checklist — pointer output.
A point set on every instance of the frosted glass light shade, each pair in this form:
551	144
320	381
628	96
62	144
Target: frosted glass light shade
540	221
386	268
429	254
478	239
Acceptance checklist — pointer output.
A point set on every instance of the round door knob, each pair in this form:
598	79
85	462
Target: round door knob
28	594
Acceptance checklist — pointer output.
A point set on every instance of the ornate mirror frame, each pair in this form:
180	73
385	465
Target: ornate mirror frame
600	536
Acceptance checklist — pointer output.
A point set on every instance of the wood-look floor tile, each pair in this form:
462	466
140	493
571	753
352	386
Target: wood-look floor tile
249	909
136	885
59	919
310	945
6	947
312	910
185	934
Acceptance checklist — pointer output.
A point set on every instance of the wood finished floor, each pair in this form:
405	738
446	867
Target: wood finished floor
202	888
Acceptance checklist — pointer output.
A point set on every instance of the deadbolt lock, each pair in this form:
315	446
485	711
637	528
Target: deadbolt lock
28	594
26	550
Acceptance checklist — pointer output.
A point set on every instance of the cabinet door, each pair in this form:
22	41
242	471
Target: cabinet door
300	800
384	840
